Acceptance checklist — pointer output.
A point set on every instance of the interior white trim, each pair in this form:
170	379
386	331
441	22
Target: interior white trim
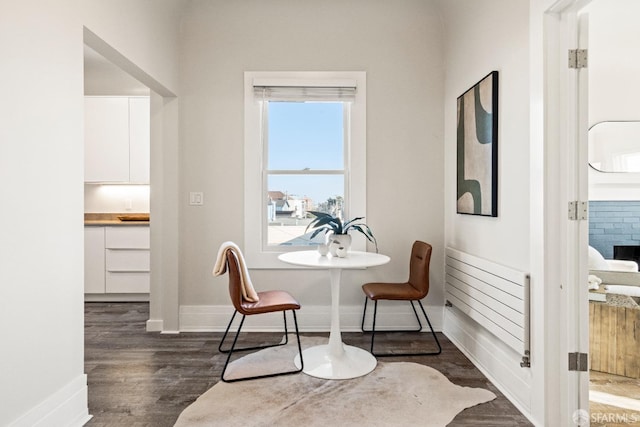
297	82
214	318
67	407
164	290
155	325
116	297
492	357
110	53
253	202
560	311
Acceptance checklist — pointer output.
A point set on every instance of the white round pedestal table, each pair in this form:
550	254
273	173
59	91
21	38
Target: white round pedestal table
335	361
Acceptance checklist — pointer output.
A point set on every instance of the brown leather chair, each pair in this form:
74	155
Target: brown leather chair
269	302
416	288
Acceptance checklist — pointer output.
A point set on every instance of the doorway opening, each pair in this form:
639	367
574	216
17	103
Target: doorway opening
116	182
163	177
613	138
116	185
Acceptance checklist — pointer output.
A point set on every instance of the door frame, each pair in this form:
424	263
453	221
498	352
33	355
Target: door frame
164	298
566	241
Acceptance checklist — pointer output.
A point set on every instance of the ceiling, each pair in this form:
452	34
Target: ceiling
102	77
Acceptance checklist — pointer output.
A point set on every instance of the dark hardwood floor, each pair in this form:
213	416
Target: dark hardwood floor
140	379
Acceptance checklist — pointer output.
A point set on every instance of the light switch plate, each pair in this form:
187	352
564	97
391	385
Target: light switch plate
196	198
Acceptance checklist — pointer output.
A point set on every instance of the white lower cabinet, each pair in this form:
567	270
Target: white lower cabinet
127	282
125	258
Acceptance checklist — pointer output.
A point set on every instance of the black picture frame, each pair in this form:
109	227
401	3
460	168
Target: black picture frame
477	149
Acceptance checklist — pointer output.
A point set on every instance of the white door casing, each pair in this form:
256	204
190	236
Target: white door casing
566	240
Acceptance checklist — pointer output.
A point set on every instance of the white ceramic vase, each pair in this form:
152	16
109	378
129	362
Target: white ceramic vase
335	241
341	252
323	249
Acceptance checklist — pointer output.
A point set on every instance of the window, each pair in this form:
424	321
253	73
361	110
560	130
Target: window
304	151
304	157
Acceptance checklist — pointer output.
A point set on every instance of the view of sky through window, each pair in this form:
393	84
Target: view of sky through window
306	136
305	168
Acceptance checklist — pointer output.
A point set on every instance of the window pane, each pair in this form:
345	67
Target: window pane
306	135
289	199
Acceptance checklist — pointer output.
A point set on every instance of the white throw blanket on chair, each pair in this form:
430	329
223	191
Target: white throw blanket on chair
248	293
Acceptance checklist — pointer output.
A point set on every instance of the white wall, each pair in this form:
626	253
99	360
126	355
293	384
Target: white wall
475	46
614	84
614	60
397	43
41	174
482	36
41	169
143	31
103	78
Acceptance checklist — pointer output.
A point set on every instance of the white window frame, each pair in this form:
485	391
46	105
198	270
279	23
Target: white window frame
355	168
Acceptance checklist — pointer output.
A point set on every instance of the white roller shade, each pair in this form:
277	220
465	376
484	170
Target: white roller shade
304	90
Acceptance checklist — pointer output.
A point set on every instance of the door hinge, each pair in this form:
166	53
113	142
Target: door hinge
578	210
579	362
578	58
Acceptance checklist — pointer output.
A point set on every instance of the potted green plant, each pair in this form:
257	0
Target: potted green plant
337	230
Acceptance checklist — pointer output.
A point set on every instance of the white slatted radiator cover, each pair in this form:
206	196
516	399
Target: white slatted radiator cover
495	296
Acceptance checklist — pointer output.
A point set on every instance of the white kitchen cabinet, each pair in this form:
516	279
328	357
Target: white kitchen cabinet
127	237
106	139
139	140
127	259
131	260
127	282
117	260
94	277
117	139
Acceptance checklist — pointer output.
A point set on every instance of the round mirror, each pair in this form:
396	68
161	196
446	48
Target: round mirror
615	146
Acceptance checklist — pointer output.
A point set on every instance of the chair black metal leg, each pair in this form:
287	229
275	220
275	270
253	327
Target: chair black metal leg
226	332
435	337
413	306
295	321
418	329
232	349
373	326
260	347
364	313
373	331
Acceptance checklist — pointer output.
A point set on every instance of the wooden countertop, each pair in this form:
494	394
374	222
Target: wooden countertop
98	219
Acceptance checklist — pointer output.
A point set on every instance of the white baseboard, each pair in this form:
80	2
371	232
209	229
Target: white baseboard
154	325
391	315
116	297
66	407
497	361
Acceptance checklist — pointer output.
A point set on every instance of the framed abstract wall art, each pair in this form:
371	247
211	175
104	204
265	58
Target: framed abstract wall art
477	149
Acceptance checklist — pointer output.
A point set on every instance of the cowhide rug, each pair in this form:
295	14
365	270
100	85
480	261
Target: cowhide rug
394	394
